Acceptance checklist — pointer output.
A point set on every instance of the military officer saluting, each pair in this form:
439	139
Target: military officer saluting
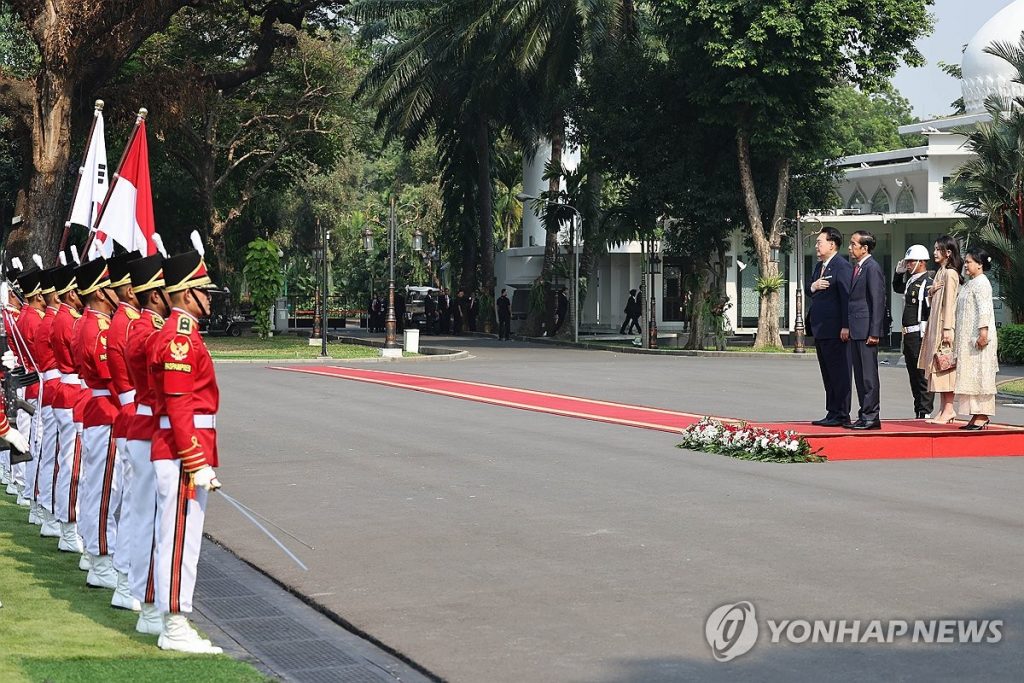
184	446
912	280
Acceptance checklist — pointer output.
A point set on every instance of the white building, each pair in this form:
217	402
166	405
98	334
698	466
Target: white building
896	195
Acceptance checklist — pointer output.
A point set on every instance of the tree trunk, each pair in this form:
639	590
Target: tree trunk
485	209
45	205
768	317
698	321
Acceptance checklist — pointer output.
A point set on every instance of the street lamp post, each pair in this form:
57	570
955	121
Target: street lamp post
653	268
575	239
799	326
325	236
391	347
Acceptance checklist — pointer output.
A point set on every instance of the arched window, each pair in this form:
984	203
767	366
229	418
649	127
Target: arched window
880	201
857	200
905	200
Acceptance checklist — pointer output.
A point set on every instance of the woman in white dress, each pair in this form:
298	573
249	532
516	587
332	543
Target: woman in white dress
976	343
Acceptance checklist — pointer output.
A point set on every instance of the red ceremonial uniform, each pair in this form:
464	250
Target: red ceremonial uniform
24	347
62	336
91	347
187	397
141	334
45	359
120	379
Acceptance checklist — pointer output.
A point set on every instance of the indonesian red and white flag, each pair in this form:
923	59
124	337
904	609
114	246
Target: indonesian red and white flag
128	216
92	188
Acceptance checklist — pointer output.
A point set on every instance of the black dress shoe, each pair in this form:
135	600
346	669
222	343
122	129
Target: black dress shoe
835	422
823	422
863	426
921	415
853	425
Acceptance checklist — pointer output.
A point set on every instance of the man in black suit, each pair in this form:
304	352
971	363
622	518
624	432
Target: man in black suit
504	316
867	310
472	310
458	311
444	311
828	288
633	310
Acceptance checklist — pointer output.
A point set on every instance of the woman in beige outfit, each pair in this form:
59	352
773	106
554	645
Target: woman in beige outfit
977	362
941	325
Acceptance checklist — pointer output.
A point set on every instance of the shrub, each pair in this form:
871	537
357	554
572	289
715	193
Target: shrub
1011	344
263	271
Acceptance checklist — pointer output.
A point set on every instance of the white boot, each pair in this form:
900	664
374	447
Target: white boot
150	621
12	488
50	526
22	500
69	540
5	476
85	561
102	574
123	595
179	635
35	515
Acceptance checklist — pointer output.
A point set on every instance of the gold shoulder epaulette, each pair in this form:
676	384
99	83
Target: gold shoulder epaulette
184	325
132	314
158	322
103	323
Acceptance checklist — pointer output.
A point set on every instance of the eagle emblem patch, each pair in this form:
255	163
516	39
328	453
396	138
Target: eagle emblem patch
179	350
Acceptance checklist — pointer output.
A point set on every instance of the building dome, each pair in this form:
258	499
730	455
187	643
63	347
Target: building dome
985	74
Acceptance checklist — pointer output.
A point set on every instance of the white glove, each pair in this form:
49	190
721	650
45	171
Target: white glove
9	360
16	439
206	478
901	267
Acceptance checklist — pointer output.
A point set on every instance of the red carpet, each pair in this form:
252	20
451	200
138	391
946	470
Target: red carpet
896	439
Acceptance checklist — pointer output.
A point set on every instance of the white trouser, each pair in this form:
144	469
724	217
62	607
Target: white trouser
69	466
47	475
123	512
5	459
101	492
26	471
138	509
179	536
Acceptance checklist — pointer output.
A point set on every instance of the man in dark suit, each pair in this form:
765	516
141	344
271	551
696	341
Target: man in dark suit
867	310
504	316
633	310
472	310
444	311
828	288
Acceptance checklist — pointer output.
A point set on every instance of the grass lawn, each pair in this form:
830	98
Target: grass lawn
54	628
1014	387
284	346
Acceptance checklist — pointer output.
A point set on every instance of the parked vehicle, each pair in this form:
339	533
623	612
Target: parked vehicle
224	318
415	310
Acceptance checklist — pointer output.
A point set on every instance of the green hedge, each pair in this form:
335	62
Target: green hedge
1011	344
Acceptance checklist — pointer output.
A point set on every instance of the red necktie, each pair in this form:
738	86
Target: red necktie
856	272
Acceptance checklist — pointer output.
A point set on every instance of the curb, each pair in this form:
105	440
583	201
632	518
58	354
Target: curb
597	346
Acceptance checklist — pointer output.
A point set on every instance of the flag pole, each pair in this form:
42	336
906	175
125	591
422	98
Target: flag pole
97	111
140	117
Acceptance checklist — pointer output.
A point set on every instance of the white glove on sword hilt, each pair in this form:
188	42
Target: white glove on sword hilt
9	360
18	440
206	478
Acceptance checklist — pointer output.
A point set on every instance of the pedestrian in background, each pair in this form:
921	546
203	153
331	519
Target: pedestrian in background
976	343
472	310
633	310
458	311
504	305
942	296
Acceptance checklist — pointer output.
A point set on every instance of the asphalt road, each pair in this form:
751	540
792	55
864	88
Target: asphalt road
493	544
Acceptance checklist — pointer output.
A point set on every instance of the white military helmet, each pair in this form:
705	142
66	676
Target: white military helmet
917	252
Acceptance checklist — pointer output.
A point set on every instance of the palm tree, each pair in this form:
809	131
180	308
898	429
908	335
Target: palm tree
989	187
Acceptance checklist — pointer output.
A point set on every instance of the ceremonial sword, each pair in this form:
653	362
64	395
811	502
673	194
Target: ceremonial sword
251	515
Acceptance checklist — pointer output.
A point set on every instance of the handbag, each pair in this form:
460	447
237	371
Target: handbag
944	358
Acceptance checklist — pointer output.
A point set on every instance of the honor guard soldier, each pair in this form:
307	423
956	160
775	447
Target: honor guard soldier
23	343
49	378
101	493
912	280
9	311
147	277
122	388
66	403
184	446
